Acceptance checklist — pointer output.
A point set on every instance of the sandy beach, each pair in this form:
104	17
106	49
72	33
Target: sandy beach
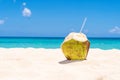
50	64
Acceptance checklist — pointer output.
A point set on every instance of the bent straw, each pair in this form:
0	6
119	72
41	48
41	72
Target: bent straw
83	24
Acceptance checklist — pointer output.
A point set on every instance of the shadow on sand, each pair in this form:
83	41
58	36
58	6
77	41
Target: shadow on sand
69	61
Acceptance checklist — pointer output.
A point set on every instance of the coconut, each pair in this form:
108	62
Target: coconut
75	46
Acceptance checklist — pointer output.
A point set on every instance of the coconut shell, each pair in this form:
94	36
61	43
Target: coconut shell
75	50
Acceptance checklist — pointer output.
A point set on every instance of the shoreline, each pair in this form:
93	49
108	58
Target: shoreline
54	48
50	64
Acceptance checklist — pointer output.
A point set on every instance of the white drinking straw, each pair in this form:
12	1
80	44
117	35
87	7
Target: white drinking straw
83	24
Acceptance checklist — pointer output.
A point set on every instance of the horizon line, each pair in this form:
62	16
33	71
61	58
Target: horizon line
46	37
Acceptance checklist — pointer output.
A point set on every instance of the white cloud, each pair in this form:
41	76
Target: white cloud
116	29
24	3
26	12
2	22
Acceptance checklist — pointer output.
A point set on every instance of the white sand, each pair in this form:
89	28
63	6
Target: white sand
50	64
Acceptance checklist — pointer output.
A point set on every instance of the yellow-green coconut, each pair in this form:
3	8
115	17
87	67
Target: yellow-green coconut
75	46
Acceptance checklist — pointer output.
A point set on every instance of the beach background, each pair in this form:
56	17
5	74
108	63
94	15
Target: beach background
42	59
32	31
55	42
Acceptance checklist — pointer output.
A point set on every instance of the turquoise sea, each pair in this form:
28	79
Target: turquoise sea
47	42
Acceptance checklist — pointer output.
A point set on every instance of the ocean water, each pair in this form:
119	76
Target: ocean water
22	42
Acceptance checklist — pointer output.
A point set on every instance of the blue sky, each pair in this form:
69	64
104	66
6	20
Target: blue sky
57	18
